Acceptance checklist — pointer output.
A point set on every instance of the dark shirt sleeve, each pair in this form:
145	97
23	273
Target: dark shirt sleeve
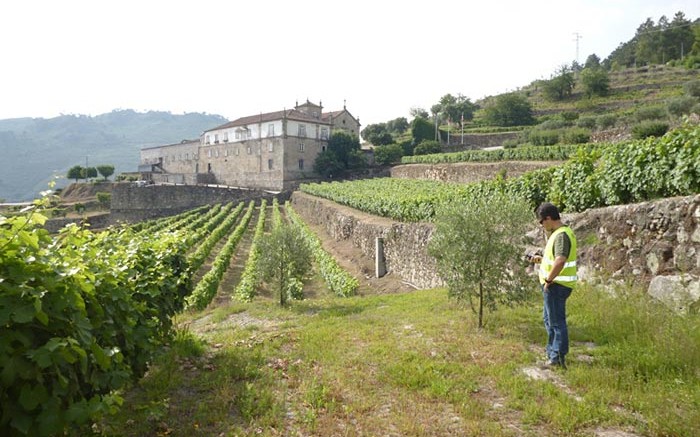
562	245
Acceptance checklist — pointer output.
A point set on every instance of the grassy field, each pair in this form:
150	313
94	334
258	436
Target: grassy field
414	364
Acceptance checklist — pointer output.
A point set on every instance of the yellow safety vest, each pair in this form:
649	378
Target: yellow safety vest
567	277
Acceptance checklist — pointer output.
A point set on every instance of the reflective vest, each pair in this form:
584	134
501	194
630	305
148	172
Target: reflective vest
567	277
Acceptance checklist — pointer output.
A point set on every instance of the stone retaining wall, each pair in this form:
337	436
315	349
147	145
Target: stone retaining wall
638	241
467	172
98	221
405	244
132	203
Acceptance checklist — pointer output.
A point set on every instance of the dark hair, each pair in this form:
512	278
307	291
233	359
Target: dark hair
547	210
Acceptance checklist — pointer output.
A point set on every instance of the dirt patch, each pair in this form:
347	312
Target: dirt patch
81	192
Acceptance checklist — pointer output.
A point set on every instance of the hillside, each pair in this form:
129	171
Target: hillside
34	150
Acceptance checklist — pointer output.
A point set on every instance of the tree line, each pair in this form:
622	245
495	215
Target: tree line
676	40
79	172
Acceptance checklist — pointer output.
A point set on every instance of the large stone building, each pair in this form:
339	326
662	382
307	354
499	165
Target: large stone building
267	151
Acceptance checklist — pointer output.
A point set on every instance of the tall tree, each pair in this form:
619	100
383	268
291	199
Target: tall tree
456	108
595	81
342	143
372	131
422	129
398	125
561	84
592	61
510	109
418	112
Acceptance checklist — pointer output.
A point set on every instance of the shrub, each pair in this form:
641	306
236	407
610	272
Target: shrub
649	129
576	136
510	144
105	199
406	147
606	121
553	124
540	137
385	155
427	147
681	105
650	113
692	88
569	115
587	122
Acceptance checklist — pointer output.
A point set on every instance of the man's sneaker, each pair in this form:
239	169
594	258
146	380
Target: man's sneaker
552	364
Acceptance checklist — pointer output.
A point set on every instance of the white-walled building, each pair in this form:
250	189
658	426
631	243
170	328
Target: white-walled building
267	151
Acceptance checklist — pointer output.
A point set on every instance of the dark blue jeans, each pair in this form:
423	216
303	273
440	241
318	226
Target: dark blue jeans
554	316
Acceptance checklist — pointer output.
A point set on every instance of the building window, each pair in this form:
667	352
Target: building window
324	133
216	138
270	147
323	148
238	151
301	164
187	156
249	150
269	164
301	147
209	153
225	137
226	152
206	139
217	153
302	130
270	130
238	134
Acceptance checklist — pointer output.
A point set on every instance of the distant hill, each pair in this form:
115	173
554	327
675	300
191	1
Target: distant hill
34	150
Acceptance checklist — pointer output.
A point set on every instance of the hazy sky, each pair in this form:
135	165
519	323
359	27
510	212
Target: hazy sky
237	58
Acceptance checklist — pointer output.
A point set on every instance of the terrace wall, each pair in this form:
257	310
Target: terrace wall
640	241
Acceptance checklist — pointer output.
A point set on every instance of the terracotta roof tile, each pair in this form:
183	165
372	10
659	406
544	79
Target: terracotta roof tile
291	114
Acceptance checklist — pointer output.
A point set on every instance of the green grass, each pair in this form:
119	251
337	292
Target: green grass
415	364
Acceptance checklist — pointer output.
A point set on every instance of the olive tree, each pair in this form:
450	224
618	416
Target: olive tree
478	248
285	260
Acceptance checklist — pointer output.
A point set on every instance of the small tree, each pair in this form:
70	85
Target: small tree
385	155
478	248
285	260
76	172
105	199
105	170
510	109
595	81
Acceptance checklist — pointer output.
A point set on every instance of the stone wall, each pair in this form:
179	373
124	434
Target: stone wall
639	241
467	172
98	221
405	244
131	203
477	141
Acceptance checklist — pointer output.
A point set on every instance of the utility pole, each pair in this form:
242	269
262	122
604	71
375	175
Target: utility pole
577	36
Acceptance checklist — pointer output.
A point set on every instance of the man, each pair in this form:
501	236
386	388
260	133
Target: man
557	278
